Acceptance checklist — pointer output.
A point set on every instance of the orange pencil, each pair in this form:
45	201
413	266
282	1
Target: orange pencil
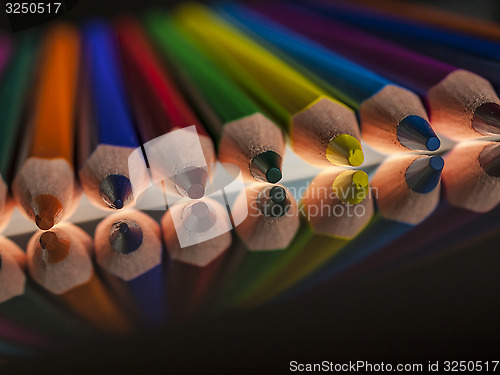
44	186
60	261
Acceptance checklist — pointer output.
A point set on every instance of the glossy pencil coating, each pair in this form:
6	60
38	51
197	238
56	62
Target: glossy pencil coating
313	119
160	108
44	186
453	94
244	136
347	81
107	130
13	91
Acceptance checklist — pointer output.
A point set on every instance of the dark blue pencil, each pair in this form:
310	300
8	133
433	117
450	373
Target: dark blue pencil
106	129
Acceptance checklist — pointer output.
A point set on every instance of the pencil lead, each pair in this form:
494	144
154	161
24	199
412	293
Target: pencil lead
125	236
344	149
116	191
486	119
274	202
200	217
415	133
424	174
54	248
351	187
191	182
266	167
47	211
489	159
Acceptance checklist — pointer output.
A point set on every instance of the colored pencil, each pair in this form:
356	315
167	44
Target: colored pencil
106	130
438	17
462	104
406	189
129	252
20	335
461	41
323	131
22	304
416	37
266	232
13	91
392	118
5	50
337	206
44	186
194	267
472	176
160	109
60	262
244	135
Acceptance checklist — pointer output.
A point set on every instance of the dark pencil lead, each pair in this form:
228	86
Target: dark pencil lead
489	159
486	119
47	211
200	218
125	236
415	133
116	191
192	182
266	167
273	202
424	174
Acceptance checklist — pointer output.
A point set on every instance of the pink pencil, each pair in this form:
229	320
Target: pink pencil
5	50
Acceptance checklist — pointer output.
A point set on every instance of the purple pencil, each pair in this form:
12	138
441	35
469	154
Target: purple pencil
5	50
462	104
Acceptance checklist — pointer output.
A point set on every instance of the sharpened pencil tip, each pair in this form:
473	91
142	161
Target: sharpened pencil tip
125	236
273	202
47	210
55	248
200	217
344	149
351	187
489	159
116	191
415	133
266	167
486	119
424	174
191	182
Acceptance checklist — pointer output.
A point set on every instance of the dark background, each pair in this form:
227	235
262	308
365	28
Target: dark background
447	308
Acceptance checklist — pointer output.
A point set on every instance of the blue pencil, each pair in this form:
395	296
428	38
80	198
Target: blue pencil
407	191
363	16
407	35
392	118
129	251
106	129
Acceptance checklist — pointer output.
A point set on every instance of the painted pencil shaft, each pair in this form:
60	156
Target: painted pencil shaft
323	131
13	89
392	118
129	251
196	237
467	43
19	335
462	104
60	261
160	109
106	129
244	136
438	17
5	50
44	186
